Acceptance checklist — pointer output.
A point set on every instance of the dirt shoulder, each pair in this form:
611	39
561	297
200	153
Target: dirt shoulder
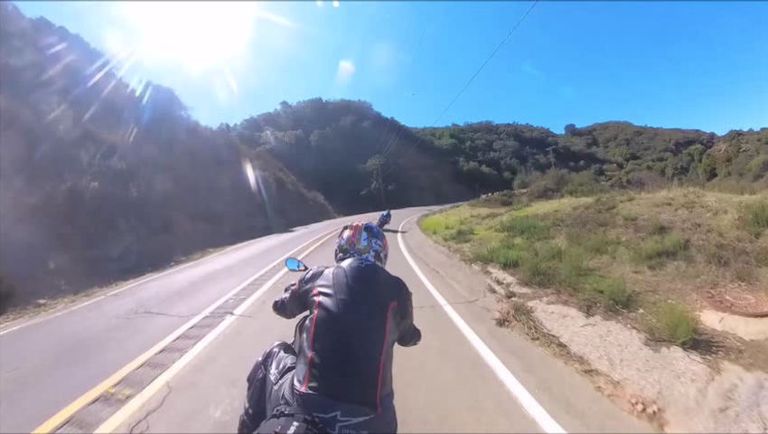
648	328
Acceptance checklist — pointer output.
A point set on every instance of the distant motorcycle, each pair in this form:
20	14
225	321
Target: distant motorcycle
384	219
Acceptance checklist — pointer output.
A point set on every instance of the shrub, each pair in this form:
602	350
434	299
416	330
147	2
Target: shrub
549	185
647	180
504	255
500	199
672	322
718	254
592	217
731	186
744	272
534	271
758	167
434	224
605	203
525	227
628	217
572	268
756	216
540	265
592	243
658	248
707	168
462	234
522	181
657	227
583	184
612	292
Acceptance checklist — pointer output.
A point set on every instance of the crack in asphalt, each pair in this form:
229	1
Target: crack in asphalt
156	313
239	315
146	416
175	315
433	305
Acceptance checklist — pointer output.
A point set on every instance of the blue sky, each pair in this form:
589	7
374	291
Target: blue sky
678	64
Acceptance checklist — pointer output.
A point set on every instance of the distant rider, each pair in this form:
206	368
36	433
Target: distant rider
339	378
384	219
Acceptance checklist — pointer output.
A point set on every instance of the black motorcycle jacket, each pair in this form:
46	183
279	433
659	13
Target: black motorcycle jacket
357	312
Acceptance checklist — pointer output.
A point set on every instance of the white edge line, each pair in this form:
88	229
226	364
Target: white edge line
518	391
114	421
176	333
44	316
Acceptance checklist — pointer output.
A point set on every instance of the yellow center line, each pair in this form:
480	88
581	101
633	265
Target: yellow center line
124	413
67	412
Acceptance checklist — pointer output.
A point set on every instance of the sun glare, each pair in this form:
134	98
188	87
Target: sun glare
196	36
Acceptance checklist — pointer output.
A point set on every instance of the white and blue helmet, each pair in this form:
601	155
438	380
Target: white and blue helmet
362	240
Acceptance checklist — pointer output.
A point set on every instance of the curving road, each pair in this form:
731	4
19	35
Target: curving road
169	352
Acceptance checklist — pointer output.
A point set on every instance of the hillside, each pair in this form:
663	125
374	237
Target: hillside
100	181
358	159
493	157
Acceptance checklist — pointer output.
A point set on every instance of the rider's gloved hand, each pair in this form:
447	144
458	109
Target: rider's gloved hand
411	337
280	304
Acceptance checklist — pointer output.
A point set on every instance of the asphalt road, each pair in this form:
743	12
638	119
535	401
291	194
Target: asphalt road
49	363
466	376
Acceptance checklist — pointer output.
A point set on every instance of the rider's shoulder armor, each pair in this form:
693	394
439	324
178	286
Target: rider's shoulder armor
312	275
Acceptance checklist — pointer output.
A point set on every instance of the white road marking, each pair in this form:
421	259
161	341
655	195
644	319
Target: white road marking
63	415
114	421
44	317
518	391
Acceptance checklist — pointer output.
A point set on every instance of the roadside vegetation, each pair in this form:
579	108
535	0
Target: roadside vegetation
649	258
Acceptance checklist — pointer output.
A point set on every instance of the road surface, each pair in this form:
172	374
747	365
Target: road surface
170	352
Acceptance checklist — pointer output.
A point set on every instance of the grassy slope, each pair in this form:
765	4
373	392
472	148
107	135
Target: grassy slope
655	255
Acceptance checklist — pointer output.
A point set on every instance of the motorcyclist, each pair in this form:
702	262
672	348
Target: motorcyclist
340	375
384	219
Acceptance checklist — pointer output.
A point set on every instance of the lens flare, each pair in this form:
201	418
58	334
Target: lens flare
249	174
198	36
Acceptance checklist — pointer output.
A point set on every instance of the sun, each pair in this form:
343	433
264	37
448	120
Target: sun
194	36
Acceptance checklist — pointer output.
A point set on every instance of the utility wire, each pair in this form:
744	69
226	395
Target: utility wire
488	59
472	78
389	145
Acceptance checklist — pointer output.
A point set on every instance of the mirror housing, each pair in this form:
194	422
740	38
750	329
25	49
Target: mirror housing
294	264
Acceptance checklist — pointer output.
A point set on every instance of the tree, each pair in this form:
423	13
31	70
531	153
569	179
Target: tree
375	166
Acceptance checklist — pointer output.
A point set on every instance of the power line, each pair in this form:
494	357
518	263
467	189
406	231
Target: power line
488	59
388	147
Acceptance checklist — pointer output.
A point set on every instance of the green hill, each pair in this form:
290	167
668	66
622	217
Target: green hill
100	182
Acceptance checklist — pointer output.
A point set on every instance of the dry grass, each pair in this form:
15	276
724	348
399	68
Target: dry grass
517	314
756	217
622	252
672	322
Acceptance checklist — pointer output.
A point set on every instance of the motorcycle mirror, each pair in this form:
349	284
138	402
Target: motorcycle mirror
294	264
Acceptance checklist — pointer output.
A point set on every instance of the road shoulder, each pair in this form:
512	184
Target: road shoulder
569	396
